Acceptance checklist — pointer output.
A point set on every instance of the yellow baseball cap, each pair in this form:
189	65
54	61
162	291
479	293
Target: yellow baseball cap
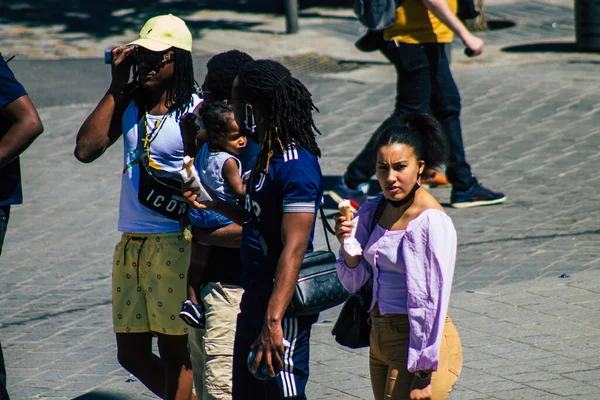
163	32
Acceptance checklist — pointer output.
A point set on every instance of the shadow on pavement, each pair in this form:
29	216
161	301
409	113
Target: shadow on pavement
544	47
113	17
100	396
496	24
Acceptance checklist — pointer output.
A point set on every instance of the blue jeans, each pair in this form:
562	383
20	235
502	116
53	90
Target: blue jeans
425	84
4	215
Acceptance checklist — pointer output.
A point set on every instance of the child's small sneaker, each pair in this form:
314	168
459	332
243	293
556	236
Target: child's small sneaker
476	196
193	314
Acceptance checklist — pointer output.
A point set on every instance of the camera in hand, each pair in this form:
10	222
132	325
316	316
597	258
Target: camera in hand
107	56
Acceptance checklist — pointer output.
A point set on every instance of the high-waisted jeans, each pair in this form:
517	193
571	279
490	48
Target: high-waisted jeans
388	356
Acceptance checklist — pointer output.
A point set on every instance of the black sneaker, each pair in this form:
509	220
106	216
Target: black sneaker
193	314
357	197
476	196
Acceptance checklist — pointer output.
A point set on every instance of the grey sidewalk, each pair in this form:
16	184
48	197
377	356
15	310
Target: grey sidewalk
531	130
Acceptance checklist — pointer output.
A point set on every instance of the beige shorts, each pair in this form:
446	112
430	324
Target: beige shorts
149	283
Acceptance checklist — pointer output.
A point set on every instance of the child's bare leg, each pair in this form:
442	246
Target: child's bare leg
198	263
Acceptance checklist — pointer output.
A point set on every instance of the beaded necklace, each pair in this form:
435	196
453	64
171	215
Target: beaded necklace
148	138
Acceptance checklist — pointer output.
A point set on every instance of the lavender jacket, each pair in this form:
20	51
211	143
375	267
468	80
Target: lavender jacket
424	254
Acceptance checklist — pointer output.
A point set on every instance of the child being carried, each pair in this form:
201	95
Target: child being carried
220	170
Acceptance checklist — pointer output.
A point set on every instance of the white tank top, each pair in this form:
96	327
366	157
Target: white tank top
167	151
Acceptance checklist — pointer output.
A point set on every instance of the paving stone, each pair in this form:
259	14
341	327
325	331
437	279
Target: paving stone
524	394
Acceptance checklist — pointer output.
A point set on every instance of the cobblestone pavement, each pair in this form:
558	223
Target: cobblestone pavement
527	283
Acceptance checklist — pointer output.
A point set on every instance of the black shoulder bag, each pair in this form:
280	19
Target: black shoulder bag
158	191
318	287
352	328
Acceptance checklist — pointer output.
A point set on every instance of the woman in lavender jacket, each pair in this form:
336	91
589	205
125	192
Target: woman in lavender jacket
408	260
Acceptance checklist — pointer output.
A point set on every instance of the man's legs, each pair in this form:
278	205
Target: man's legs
291	382
4	215
178	369
245	386
212	354
134	353
446	107
197	358
148	286
413	91
168	376
425	84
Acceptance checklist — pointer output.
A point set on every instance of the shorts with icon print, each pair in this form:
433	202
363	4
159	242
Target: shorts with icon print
149	283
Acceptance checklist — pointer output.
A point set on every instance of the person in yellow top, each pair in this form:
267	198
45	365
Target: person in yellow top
415	45
419	21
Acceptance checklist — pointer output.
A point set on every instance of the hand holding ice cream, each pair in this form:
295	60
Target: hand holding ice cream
346	229
345	209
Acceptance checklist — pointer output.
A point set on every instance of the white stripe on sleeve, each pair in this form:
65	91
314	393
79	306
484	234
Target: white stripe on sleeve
298	207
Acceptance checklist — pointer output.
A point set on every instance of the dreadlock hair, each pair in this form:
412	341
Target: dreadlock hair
418	130
179	96
222	70
215	115
269	84
184	85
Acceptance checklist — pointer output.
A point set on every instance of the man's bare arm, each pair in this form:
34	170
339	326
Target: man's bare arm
26	127
444	13
102	127
229	236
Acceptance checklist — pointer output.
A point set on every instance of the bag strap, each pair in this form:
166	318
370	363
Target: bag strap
376	216
378	213
326	226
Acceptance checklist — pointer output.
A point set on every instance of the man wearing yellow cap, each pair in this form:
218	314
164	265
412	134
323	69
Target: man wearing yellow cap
150	262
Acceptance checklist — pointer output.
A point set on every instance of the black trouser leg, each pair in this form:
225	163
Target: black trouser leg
3	391
446	107
424	84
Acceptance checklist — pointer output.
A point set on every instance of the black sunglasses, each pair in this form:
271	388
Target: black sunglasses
152	58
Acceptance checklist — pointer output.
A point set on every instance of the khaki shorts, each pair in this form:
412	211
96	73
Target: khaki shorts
149	283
